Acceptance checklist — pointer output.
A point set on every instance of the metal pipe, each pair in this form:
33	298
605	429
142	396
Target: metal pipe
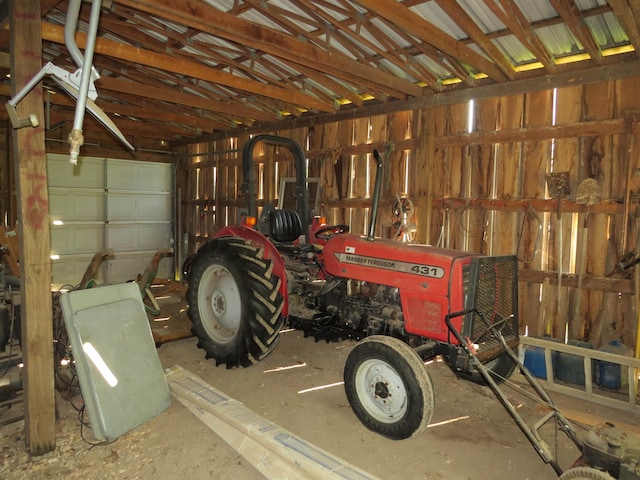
376	196
73	12
248	186
75	137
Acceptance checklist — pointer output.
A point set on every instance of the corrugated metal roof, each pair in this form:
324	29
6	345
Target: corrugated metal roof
263	57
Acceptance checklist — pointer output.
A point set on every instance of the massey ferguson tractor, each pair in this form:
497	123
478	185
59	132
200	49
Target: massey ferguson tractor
402	303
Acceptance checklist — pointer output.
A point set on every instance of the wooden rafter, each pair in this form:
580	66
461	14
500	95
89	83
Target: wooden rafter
509	14
575	23
465	22
355	36
257	61
624	12
230	27
417	26
180	98
54	33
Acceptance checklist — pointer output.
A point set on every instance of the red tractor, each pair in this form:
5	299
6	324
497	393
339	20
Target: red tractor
405	303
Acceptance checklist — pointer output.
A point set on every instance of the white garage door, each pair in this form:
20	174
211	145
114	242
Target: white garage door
106	203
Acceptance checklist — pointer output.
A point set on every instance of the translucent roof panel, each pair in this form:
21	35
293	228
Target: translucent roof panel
433	14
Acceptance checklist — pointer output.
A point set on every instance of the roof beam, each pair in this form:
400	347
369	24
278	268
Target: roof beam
570	78
207	19
509	14
185	99
417	26
150	112
471	28
391	54
331	84
624	12
54	33
572	18
132	128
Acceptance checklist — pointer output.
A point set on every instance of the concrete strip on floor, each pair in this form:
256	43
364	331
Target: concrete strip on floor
274	451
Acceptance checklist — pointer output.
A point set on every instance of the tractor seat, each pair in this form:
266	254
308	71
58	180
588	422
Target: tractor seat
285	226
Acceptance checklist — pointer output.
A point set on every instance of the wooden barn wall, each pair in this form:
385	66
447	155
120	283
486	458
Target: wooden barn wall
482	178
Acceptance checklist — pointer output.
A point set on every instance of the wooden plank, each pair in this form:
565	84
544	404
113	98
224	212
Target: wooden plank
37	327
468	25
173	322
566	159
398	142
119	51
243	111
508	180
599	105
535	238
423	179
282	45
324	137
619	286
263	443
396	181
455	170
345	136
417	26
358	176
392	169
209	211
536	133
399	128
440	190
591	75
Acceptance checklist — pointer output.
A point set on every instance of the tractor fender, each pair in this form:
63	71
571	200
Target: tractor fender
259	240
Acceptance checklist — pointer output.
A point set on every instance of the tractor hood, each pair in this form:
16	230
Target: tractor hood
392	263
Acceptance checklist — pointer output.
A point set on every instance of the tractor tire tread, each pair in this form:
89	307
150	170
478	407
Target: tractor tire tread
262	302
585	473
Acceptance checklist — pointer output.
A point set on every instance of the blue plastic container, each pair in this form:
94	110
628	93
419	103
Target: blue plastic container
535	362
609	374
571	367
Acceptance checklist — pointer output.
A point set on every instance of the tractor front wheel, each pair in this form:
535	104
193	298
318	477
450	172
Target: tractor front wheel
585	473
234	302
388	387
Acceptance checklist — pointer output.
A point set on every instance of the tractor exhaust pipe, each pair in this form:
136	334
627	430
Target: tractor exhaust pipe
376	196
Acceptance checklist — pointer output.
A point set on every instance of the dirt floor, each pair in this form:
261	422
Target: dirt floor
471	436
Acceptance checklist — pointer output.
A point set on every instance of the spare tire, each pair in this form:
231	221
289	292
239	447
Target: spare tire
234	301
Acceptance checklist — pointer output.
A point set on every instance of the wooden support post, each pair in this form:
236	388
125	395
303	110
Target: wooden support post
30	156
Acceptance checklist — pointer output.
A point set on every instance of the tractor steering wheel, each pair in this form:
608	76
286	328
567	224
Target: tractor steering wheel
325	233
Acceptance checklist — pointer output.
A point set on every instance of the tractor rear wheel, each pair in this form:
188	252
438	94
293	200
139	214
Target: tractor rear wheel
234	302
388	387
585	473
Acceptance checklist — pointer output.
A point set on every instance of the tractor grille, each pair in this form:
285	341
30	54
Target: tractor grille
493	291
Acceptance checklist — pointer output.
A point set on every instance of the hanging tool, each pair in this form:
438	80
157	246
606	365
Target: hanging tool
625	263
589	192
558	184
